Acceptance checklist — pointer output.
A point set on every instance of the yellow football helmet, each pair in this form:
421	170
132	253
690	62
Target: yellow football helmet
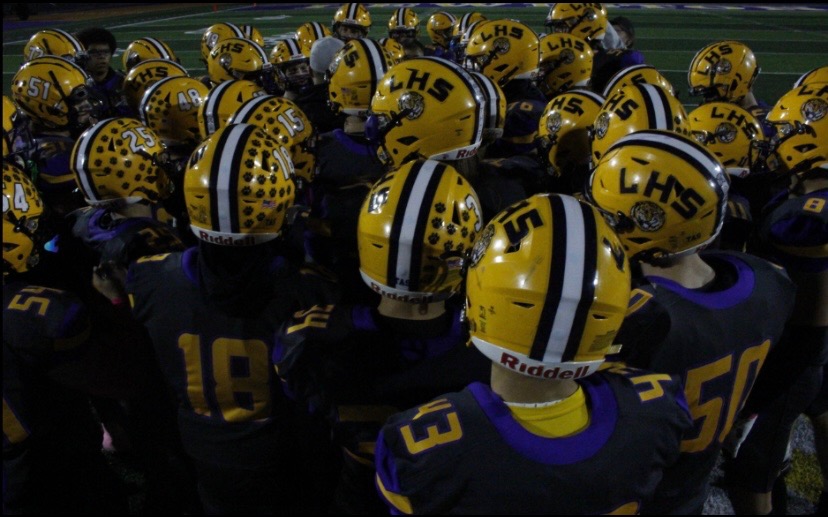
587	21
308	33
637	74
222	102
547	288
252	33
723	71
240	58
170	108
145	74
404	24
216	33
495	115
415	228
503	50
633	108
284	121
665	195
732	134
426	107
817	75
54	42
800	118
564	131
354	73
55	92
565	63
238	187
117	159
143	49
439	27
292	66
22	209
352	16
9	116
394	48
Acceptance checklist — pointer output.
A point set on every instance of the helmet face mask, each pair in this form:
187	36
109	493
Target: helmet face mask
665	195
291	65
564	131
22	209
587	21
404	25
439	28
415	228
351	21
402	119
547	288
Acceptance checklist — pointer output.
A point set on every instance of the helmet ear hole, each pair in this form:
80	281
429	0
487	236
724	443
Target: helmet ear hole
590	15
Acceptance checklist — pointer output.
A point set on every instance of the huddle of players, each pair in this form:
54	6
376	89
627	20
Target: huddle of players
532	204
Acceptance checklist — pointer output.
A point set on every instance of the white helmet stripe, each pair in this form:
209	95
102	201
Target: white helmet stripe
573	279
658	109
159	47
408	234
226	177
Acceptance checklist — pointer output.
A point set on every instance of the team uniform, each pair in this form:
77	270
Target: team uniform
429	458
358	367
743	314
246	438
793	232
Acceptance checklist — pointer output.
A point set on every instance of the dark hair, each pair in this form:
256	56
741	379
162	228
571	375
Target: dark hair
92	35
625	23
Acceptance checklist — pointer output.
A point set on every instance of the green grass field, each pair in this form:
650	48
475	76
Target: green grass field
787	40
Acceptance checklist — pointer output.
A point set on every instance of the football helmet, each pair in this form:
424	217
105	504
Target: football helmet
355	18
800	118
547	288
461	33
56	93
292	66
22	209
426	107
415	228
284	121
252	33
587	21
503	50
9	116
732	134
170	108
495	108
238	187
636	74
633	108
665	195
723	71
565	63
354	73
394	48
308	33
145	74
222	101
143	49
54	42
117	160
216	33
564	131
439	27
240	58
817	75
404	24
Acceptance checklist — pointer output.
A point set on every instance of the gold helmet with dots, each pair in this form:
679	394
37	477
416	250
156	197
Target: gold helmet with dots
170	108
238	187
22	209
415	228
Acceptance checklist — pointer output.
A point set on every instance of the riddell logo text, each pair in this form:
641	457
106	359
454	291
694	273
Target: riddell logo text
514	363
227	241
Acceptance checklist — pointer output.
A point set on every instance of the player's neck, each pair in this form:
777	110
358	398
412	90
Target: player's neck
689	271
522	389
410	311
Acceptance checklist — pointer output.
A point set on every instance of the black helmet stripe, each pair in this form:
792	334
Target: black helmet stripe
410	220
224	178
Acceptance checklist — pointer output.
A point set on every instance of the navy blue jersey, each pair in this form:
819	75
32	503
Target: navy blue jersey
464	453
217	357
716	339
